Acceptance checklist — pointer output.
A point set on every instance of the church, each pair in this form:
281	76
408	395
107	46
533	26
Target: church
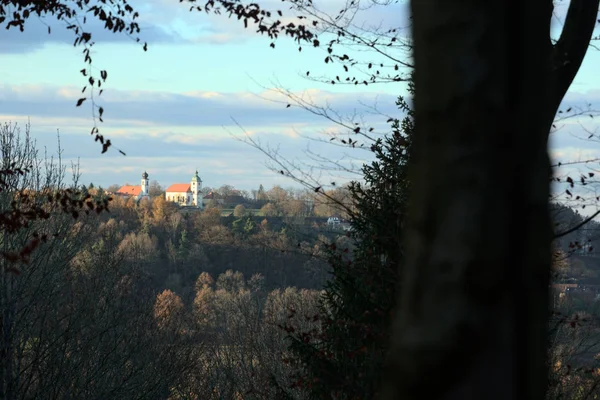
186	194
183	194
138	192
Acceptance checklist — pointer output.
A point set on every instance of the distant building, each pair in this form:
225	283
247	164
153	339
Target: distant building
212	198
186	194
138	191
334	221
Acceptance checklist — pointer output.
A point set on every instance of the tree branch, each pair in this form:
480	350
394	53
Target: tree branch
579	225
569	51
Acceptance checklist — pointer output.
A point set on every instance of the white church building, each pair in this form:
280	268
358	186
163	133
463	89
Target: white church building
136	191
186	194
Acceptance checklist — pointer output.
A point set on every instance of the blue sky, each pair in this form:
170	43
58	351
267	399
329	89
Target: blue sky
171	108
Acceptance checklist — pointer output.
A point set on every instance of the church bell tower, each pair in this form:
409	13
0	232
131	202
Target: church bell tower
195	187
145	184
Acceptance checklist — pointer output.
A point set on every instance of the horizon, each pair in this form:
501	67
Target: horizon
185	103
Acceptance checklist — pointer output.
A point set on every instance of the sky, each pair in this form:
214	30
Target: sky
202	85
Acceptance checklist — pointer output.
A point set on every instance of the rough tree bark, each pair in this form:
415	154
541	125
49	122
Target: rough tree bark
570	49
472	319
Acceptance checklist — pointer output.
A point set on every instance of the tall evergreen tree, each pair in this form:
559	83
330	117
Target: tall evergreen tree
344	358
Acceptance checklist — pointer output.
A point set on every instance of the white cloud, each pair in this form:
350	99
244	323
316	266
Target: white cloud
35	34
153	109
161	133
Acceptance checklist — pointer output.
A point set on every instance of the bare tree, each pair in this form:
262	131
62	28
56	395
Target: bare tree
76	320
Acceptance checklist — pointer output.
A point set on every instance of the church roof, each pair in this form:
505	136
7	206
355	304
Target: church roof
179	187
130	190
196	178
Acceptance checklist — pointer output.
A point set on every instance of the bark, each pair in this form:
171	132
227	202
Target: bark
472	316
570	49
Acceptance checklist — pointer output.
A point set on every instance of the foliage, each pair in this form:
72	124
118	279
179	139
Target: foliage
345	358
117	16
268	210
168	310
155	189
239	211
77	300
246	351
34	197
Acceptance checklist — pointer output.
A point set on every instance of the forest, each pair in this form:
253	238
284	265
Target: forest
143	301
467	267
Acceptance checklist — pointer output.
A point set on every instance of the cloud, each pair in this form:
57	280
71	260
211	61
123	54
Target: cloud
36	35
216	38
220	159
172	134
221	29
196	108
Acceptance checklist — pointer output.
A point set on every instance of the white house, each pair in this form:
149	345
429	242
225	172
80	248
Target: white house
186	194
333	221
137	191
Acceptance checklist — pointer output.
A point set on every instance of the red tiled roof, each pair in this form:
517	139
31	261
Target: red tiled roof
179	187
130	190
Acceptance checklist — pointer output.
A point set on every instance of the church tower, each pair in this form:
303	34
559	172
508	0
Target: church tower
145	184
195	187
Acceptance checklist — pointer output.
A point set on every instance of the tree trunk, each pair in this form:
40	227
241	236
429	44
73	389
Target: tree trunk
472	316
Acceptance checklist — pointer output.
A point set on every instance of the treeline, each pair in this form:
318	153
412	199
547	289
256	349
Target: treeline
123	304
275	202
174	247
146	301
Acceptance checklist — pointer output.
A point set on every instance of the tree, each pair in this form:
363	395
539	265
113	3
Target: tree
162	209
213	204
337	201
22	181
231	281
75	301
345	359
295	208
277	194
225	191
208	218
113	188
557	65
138	248
239	211
168	310
204	280
117	16
462	140
269	210
261	195
203	307
155	189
